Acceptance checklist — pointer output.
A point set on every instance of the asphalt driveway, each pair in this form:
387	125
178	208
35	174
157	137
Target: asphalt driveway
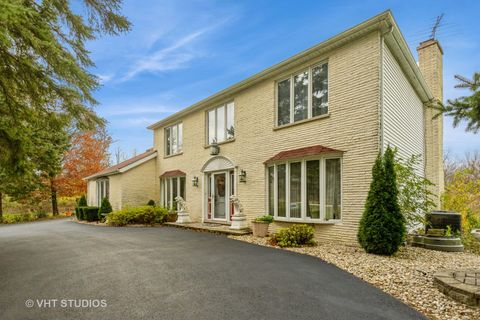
167	273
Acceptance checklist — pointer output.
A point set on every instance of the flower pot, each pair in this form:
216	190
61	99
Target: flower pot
260	228
172	217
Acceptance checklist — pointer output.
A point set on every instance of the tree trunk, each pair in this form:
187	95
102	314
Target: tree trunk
1	206
53	191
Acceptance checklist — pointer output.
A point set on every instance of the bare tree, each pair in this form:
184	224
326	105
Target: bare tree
119	155
450	165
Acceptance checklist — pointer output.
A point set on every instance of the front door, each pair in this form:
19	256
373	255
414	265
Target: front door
220	186
219	196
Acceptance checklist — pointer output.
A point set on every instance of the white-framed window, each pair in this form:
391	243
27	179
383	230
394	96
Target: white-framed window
174	139
303	95
306	189
103	187
170	188
221	123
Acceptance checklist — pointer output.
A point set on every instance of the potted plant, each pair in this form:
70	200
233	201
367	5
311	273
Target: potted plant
172	216
260	225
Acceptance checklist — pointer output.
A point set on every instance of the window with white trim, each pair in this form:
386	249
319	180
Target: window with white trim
174	139
220	123
303	95
305	190
103	187
170	188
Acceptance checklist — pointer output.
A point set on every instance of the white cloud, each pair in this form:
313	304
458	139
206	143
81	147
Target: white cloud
136	110
173	57
105	77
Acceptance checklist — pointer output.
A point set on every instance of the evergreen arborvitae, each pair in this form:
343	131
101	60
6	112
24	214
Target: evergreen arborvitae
382	227
82	202
106	207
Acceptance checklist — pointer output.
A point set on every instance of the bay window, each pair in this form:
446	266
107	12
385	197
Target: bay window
303	95
170	188
305	190
174	139
220	123
103	187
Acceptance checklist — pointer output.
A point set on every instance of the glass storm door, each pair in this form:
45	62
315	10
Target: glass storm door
219	195
220	186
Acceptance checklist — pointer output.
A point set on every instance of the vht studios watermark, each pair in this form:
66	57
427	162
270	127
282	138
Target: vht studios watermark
66	303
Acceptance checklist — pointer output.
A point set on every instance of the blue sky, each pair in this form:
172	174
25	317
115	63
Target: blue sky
180	52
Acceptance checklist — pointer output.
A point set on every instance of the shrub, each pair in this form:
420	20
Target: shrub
414	195
294	236
147	215
151	202
9	218
82	202
41	214
90	213
78	213
266	218
382	227
161	215
87	213
105	208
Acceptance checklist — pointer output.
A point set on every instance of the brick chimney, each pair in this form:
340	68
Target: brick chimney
430	60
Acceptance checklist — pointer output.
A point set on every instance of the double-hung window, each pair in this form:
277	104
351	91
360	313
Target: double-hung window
173	139
221	124
303	95
305	190
102	190
170	188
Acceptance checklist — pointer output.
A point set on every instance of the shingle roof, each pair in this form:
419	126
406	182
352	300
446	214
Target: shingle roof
173	173
116	168
301	152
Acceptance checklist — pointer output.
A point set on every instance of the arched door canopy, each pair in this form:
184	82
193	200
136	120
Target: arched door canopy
217	163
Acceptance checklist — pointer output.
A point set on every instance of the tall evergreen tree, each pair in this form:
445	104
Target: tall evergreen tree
466	108
44	68
382	227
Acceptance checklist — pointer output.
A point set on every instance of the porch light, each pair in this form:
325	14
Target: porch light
214	148
243	176
195	181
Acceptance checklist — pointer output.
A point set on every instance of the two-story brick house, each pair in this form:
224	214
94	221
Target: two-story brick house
297	140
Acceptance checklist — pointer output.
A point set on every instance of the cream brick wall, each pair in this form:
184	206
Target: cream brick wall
430	58
138	184
115	191
353	127
133	187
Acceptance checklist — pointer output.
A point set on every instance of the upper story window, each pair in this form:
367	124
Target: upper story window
173	139
221	124
303	95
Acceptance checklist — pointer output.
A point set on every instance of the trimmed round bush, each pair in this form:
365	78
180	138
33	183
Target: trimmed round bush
295	236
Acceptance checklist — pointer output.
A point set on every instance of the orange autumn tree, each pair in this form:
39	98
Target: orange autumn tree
87	155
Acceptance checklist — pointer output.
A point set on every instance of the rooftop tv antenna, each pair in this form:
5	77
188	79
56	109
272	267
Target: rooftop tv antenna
436	26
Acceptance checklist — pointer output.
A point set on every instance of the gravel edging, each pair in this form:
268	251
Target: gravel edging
408	275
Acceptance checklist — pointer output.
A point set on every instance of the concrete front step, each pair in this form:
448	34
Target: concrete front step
209	227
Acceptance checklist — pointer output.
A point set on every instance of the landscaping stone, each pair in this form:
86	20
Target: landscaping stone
408	275
463	286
